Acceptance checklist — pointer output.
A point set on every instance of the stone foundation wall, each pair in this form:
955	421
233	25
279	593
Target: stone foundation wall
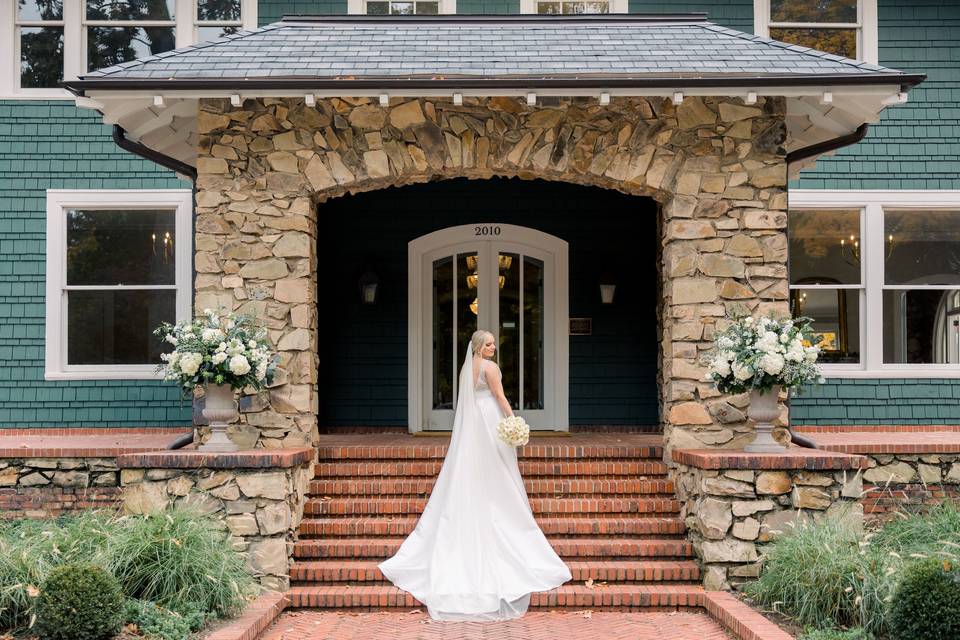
897	483
731	514
716	166
259	507
50	487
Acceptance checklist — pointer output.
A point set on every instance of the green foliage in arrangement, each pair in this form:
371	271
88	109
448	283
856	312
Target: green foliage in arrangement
827	575
159	623
177	558
79	602
926	604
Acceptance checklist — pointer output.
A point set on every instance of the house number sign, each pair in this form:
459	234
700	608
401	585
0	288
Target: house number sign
486	230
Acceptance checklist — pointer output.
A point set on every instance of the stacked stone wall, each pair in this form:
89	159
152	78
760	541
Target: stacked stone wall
716	166
50	487
904	483
259	508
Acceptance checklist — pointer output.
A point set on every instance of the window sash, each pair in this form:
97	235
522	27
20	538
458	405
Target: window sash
75	25
179	202
867	27
873	204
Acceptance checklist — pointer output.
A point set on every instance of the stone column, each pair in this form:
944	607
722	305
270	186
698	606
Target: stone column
256	254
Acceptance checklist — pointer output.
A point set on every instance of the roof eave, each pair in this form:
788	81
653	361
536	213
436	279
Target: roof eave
80	86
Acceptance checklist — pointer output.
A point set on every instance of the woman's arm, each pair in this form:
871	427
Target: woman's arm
496	388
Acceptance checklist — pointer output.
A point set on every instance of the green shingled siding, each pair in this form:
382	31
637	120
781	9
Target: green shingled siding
488	7
736	14
270	11
917	145
54	145
893	401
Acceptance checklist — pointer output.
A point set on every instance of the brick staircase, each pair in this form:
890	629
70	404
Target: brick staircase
602	499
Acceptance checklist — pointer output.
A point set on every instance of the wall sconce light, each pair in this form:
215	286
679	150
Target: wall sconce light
369	285
608	288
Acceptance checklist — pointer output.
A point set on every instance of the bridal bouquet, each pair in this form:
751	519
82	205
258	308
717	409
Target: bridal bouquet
215	349
758	354
514	431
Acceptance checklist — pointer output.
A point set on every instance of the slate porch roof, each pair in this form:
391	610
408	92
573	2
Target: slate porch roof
616	50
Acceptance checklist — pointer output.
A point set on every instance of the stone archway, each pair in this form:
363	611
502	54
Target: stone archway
716	166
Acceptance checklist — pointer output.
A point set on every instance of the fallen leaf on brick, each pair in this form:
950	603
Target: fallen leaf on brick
587	614
589	583
414	611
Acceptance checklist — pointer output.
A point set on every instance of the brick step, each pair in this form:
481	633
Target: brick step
620	571
533	451
602	467
619	596
534	486
606	548
374	505
592	525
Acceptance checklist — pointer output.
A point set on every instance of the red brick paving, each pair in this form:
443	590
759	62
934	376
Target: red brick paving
64	444
536	625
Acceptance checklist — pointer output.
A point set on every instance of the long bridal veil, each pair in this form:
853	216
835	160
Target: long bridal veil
476	552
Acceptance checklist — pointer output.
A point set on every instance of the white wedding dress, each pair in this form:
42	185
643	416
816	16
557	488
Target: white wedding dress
476	552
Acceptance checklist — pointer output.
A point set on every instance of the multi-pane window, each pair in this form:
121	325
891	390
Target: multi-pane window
57	39
549	7
879	274
405	8
39	35
118	266
826	280
846	28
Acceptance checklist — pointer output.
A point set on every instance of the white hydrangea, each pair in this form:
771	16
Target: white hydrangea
724	343
190	363
172	339
741	372
218	357
721	366
212	336
811	354
772	363
261	370
239	365
769	342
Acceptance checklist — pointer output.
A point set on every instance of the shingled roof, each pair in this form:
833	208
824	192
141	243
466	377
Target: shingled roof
620	50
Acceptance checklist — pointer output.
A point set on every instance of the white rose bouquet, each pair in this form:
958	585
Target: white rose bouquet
762	353
215	349
514	431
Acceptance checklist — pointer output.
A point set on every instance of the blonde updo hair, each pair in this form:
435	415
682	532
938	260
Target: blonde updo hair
477	340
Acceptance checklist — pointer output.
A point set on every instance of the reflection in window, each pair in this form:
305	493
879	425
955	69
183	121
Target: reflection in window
39	10
116	327
131	9
443	341
396	8
824	247
116	247
922	247
837	23
836	320
41	57
108	46
921	326
218	10
579	7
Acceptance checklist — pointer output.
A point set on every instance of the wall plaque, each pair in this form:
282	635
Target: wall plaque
581	326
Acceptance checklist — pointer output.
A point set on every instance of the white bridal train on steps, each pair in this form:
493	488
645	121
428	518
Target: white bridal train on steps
476	553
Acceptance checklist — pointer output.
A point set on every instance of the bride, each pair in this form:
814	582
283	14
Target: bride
476	552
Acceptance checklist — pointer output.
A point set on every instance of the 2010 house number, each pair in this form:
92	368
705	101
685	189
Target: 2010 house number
486	230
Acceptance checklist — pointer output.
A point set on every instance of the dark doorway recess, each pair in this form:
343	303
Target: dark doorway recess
363	348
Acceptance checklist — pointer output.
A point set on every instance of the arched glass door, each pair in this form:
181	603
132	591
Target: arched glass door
503	279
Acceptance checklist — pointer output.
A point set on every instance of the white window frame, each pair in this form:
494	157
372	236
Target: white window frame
359	7
61	200
873	203
616	6
75	42
868	46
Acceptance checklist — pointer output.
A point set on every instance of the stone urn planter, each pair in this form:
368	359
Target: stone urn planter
763	410
220	410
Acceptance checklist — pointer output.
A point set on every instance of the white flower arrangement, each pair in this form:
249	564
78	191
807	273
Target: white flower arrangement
229	349
760	353
514	431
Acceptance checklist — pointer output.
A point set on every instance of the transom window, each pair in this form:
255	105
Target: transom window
118	264
879	273
547	7
50	40
846	28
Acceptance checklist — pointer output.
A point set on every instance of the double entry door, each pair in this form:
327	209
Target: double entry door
508	280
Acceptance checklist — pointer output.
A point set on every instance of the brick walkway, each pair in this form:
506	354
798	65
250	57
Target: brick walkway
536	625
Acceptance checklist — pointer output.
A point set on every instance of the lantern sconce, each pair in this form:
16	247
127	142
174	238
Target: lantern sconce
369	285
608	288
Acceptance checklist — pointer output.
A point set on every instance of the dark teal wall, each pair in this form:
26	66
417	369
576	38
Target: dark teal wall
54	145
736	14
899	401
363	350
917	145
269	11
